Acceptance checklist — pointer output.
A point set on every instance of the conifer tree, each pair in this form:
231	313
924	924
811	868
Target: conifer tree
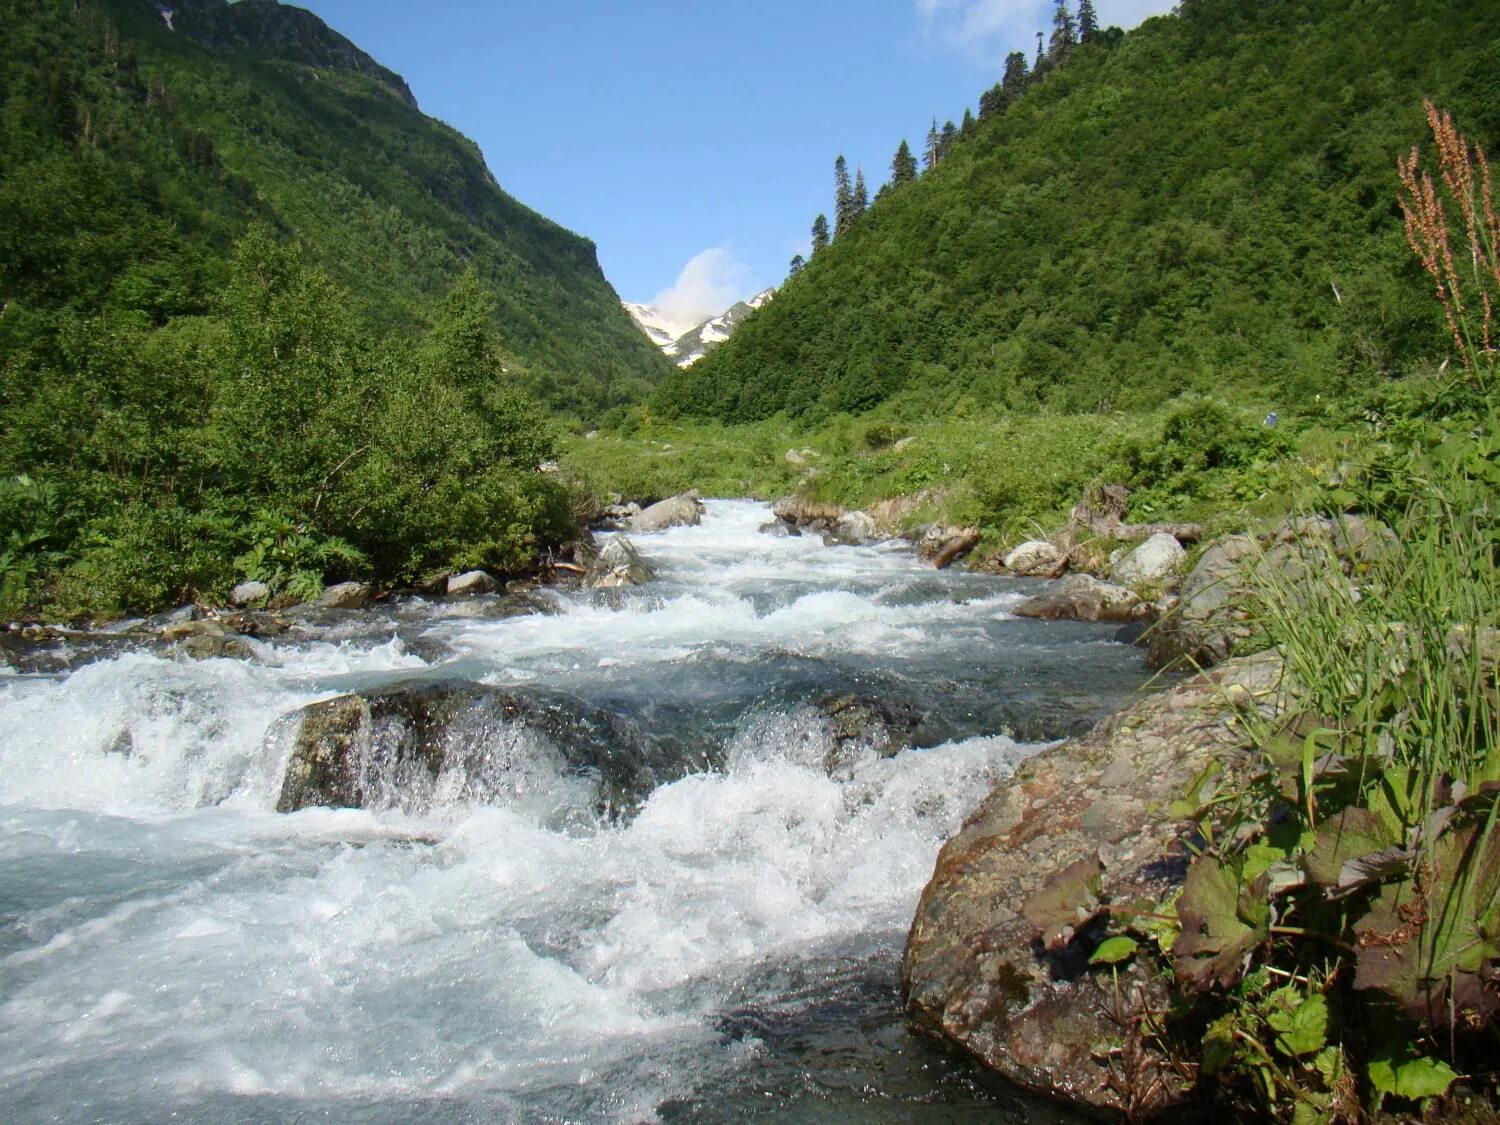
861	199
946	139
903	166
796	267
820	233
1064	34
930	154
1088	22
843	197
967	128
1014	79
993	101
1041	54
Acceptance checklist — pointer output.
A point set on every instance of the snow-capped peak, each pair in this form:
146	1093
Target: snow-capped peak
687	343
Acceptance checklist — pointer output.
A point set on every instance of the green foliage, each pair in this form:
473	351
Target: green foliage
1206	207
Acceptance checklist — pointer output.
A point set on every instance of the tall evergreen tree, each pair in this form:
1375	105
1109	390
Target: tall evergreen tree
946	139
1014	79
820	233
843	197
861	199
1088	22
798	262
1041	54
930	154
1064	34
903	166
967	128
993	101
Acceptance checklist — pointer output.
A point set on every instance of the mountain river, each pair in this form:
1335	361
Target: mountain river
720	942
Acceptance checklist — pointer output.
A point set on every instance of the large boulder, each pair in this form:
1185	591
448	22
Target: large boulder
684	510
1150	562
249	593
1212	615
617	564
1081	597
416	744
997	958
346	595
471	582
1035	556
851	529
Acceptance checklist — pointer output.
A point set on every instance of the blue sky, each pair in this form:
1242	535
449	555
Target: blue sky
694	142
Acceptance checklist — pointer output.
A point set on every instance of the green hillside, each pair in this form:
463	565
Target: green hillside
261	318
132	155
1205	204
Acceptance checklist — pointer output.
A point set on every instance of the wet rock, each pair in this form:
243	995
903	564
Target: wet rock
256	623
779	529
1149	563
807	515
204	646
397	746
1092	812
249	593
1035	556
863	726
346	595
471	582
948	545
433	585
1081	597
616	565
205	627
685	510
851	529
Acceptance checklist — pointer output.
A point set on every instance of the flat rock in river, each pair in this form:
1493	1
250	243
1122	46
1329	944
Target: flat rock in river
677	511
1081	597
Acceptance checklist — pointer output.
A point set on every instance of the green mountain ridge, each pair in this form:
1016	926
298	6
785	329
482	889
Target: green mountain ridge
1205	205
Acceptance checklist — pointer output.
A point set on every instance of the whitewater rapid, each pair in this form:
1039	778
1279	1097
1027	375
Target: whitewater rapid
169	945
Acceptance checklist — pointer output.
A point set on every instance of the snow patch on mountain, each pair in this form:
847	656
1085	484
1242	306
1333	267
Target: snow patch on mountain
688	343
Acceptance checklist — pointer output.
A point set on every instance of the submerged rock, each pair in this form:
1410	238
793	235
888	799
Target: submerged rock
864	725
1084	827
1081	597
685	510
397	747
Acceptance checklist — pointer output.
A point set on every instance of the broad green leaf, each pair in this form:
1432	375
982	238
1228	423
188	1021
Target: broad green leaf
1219	926
1353	833
1303	1030
1114	950
1414	1078
1218	1044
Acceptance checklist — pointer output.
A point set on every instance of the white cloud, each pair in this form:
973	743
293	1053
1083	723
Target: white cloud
710	282
987	26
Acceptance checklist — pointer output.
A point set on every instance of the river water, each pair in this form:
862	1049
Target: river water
723	945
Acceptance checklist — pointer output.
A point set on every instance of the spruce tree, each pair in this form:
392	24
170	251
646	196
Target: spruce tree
843	197
796	267
1088	22
930	154
1014	80
993	101
861	199
946	139
820	233
1064	34
903	166
967	128
1041	54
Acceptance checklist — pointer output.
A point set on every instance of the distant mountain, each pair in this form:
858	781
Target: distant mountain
685	343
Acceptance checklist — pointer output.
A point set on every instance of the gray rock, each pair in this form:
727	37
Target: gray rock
249	593
677	511
1035	556
1153	561
617	564
472	582
978	973
852	528
1081	597
346	595
795	458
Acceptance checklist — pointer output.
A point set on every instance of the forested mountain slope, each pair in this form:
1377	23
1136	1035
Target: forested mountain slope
133	153
1206	204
